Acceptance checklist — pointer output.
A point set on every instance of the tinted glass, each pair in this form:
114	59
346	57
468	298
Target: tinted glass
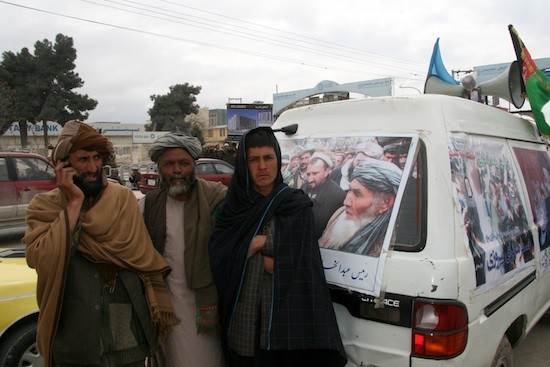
4	170
222	168
30	168
411	219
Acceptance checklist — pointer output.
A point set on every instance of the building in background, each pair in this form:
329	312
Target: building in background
214	135
217	117
242	117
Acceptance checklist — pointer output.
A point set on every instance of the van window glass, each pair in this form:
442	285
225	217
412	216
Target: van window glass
356	183
489	198
534	164
31	168
410	226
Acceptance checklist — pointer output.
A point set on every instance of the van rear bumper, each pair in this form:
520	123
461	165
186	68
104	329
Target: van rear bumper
395	309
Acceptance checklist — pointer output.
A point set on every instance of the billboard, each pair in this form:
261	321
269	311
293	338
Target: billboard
54	129
372	88
242	117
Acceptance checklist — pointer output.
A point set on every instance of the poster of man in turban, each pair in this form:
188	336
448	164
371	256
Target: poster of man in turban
355	239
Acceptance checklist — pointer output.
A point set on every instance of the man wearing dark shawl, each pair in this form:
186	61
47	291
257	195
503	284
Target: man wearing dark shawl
360	225
100	288
275	308
179	217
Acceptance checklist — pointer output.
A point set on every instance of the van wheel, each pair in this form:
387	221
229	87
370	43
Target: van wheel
503	357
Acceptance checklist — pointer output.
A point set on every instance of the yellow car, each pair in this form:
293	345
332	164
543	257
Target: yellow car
18	311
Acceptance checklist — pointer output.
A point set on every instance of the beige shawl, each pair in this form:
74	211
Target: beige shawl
112	232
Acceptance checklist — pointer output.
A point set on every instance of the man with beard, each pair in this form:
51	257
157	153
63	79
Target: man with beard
360	225
325	194
180	217
95	262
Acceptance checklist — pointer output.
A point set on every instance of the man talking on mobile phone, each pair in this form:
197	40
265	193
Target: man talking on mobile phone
100	290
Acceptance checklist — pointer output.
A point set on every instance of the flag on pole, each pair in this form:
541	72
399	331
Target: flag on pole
537	84
437	68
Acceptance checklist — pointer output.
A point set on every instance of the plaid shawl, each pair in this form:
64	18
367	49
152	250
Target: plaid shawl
302	312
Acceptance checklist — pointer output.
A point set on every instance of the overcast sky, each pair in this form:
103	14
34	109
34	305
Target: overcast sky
248	50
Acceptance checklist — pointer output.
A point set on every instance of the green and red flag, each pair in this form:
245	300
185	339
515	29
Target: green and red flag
537	84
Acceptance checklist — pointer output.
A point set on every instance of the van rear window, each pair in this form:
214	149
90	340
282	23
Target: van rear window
489	197
410	225
368	194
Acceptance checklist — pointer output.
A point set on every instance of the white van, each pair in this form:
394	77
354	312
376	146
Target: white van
457	271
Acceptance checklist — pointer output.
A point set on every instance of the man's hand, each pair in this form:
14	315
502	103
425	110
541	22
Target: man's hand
257	243
64	180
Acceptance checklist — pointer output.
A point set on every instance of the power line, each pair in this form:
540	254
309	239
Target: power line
357	50
205	44
245	35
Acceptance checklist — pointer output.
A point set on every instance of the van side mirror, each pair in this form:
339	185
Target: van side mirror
289	129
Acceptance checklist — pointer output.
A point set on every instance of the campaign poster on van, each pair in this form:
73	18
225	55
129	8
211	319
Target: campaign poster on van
535	168
354	183
490	201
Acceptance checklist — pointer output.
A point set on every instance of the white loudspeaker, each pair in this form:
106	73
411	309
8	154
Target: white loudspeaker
434	85
507	85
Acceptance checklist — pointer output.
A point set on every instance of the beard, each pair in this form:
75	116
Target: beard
344	229
89	188
179	188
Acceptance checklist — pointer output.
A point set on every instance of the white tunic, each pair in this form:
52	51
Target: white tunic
183	347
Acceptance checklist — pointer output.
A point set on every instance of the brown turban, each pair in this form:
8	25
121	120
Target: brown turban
77	135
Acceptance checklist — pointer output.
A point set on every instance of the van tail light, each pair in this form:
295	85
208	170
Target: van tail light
440	329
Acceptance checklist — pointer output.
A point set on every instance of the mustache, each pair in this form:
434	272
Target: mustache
188	180
179	177
87	188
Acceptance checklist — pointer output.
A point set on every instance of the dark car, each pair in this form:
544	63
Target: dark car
22	175
209	169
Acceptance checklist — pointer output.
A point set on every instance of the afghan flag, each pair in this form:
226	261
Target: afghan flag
537	84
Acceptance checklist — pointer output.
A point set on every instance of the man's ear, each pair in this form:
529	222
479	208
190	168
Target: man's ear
386	203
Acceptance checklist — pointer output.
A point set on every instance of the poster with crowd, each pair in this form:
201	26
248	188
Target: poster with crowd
489	198
355	184
535	167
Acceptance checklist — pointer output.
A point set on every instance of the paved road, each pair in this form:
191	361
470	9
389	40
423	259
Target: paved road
533	351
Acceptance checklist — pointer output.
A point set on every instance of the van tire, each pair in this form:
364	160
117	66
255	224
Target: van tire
503	356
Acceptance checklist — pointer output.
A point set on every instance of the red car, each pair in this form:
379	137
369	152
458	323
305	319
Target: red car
22	175
209	169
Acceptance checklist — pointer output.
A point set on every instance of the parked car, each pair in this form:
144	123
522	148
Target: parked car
22	175
209	169
18	311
